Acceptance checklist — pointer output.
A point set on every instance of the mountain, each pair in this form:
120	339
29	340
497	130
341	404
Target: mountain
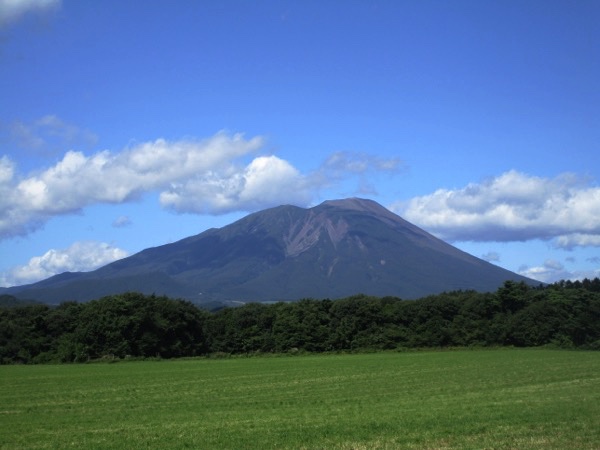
336	249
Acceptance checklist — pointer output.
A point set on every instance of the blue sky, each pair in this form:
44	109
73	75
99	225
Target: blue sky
130	124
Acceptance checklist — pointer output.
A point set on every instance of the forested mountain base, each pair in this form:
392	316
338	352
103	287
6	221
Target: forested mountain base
131	325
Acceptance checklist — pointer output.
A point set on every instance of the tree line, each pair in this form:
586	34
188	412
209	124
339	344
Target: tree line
133	325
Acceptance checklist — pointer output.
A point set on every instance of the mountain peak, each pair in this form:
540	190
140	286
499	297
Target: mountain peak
335	249
355	203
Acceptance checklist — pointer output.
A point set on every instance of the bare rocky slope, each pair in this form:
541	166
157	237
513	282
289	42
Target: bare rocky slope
336	249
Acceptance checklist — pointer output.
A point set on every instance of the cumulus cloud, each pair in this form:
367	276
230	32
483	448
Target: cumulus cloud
80	256
266	181
512	207
13	10
78	180
212	176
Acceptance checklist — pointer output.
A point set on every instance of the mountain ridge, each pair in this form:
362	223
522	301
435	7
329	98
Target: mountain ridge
335	249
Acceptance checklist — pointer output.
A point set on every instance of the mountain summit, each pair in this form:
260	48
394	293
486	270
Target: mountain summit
336	249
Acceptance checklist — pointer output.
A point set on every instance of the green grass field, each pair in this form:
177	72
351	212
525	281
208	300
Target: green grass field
505	398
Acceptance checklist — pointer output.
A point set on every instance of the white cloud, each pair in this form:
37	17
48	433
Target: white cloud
12	10
79	180
209	176
266	181
549	272
512	207
552	271
570	241
80	256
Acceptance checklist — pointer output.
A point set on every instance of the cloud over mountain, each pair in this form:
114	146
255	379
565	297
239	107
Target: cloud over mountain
512	207
211	176
267	180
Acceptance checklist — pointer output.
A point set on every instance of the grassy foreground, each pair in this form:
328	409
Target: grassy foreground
464	399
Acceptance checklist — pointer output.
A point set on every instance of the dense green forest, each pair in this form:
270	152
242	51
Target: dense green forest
132	325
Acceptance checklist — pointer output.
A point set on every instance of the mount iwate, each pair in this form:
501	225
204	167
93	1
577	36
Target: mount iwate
336	249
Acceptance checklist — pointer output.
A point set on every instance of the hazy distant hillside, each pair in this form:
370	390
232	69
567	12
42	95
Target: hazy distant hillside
9	301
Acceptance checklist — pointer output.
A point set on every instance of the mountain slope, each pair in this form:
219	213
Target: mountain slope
336	249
